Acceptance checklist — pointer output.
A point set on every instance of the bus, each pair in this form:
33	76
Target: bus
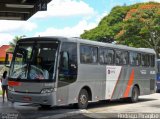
158	77
54	71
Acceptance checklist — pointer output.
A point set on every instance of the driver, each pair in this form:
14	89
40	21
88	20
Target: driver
37	72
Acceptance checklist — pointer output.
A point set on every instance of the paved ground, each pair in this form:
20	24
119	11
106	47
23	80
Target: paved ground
147	107
32	111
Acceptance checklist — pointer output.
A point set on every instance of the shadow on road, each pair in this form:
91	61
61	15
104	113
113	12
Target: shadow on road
108	103
102	103
33	111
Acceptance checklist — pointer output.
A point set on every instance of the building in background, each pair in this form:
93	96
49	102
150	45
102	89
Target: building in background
3	50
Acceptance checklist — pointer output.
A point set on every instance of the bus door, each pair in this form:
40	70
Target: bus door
67	71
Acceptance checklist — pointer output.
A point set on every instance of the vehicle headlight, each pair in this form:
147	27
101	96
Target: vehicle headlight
10	88
49	90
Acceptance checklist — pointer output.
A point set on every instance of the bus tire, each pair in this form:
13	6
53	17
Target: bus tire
134	95
83	99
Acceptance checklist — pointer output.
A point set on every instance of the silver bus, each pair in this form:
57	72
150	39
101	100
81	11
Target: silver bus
54	71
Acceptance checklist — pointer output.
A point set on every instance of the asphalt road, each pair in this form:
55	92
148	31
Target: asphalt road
147	107
33	111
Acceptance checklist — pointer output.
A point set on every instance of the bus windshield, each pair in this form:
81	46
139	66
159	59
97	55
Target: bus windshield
34	61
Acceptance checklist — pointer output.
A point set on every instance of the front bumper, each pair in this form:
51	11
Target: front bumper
42	99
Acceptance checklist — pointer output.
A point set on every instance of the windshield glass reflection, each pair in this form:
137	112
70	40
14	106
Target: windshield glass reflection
34	61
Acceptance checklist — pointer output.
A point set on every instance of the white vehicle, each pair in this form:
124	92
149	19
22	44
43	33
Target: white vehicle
53	71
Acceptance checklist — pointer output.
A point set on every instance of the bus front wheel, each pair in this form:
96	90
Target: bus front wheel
83	99
134	95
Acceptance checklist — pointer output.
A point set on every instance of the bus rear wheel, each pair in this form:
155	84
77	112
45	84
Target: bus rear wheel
83	99
135	95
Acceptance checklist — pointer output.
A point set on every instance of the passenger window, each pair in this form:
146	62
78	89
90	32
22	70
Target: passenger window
152	60
121	57
134	59
138	60
124	58
88	54
110	56
118	58
106	56
145	60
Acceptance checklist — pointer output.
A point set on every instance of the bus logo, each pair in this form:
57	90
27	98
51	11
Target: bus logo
143	72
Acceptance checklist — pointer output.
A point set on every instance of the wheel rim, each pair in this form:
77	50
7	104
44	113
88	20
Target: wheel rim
83	99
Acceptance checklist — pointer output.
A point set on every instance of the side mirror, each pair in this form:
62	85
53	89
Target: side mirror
8	59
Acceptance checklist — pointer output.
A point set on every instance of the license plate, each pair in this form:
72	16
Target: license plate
27	98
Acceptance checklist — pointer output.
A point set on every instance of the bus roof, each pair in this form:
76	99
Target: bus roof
90	42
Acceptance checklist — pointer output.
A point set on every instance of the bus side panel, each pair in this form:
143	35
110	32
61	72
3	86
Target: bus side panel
89	76
146	80
95	78
130	76
62	95
122	82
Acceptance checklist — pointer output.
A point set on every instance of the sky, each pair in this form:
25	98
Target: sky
63	18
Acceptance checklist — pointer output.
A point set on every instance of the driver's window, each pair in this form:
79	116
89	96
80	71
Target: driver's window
65	61
68	64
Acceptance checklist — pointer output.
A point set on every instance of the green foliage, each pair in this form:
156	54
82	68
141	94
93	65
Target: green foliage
143	30
109	26
137	25
13	43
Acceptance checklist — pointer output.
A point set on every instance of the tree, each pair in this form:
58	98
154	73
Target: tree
142	29
137	25
14	42
109	26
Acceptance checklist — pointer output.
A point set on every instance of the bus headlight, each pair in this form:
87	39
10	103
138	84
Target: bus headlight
10	88
49	90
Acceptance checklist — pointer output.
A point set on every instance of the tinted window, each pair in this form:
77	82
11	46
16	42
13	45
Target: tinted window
106	56
152	60
111	56
145	60
121	58
158	66
124	58
88	54
68	64
118	58
135	58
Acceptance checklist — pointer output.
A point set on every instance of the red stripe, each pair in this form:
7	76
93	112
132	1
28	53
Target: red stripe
130	82
14	83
